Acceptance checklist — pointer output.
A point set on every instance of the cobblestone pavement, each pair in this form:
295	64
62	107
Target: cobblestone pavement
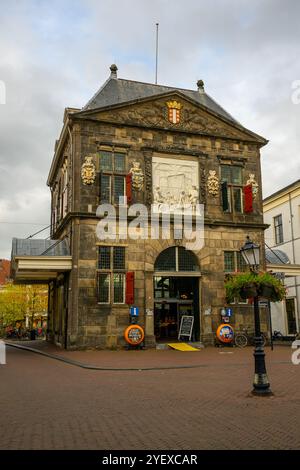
47	404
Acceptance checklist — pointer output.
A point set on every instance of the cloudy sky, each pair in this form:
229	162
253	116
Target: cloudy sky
57	53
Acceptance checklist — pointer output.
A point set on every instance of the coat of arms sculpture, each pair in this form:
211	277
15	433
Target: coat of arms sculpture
213	183
88	171
174	111
137	176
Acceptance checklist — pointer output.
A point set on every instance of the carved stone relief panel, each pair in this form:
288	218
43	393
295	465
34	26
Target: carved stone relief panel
175	183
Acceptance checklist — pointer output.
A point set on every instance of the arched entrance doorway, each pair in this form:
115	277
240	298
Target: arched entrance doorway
176	292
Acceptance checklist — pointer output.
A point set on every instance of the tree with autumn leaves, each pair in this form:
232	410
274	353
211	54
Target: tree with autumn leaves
19	301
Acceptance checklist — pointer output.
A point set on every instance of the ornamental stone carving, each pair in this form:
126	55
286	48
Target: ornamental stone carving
254	184
213	183
88	171
137	176
175	184
188	118
148	179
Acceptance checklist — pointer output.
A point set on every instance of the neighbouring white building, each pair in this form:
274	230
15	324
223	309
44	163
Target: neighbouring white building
282	213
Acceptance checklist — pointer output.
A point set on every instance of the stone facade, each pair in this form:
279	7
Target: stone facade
142	133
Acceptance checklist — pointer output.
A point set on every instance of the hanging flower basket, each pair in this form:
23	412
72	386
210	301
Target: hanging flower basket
248	285
267	291
270	287
248	291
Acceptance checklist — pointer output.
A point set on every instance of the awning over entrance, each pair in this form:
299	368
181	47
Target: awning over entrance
39	261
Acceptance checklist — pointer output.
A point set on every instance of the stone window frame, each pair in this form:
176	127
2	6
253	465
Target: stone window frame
173	254
237	264
114	149
278	229
110	273
231	186
54	206
60	195
64	188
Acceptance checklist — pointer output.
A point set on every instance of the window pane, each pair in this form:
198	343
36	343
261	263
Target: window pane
187	260
237	199
241	264
291	316
278	229
103	288
119	257
119	188
226	173
166	261
229	261
229	193
236	175
106	161
105	188
158	287
104	257
231	174
120	162
119	283
166	287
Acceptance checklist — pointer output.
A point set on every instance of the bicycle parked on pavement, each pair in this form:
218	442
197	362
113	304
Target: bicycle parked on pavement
246	338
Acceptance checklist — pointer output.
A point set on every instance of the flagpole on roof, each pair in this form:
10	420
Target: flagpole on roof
156	55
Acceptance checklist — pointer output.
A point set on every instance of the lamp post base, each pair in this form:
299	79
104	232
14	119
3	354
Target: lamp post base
262	392
261	384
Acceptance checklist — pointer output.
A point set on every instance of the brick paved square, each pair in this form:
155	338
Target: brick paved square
205	404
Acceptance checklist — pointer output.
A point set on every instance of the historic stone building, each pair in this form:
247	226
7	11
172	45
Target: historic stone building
153	144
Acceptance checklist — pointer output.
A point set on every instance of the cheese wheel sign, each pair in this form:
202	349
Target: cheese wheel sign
134	335
225	333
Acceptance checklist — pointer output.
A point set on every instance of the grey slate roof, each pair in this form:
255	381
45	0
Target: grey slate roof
277	257
119	91
37	247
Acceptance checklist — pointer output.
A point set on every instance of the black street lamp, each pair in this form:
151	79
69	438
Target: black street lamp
261	386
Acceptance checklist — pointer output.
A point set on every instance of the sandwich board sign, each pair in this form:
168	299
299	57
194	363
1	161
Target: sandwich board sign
186	326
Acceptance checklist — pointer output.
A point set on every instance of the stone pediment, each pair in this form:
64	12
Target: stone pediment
190	117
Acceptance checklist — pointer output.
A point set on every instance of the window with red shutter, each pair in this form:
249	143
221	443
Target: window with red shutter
248	199
130	288
232	189
129	187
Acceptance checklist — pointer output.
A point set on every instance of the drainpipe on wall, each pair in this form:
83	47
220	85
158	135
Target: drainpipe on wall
294	259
